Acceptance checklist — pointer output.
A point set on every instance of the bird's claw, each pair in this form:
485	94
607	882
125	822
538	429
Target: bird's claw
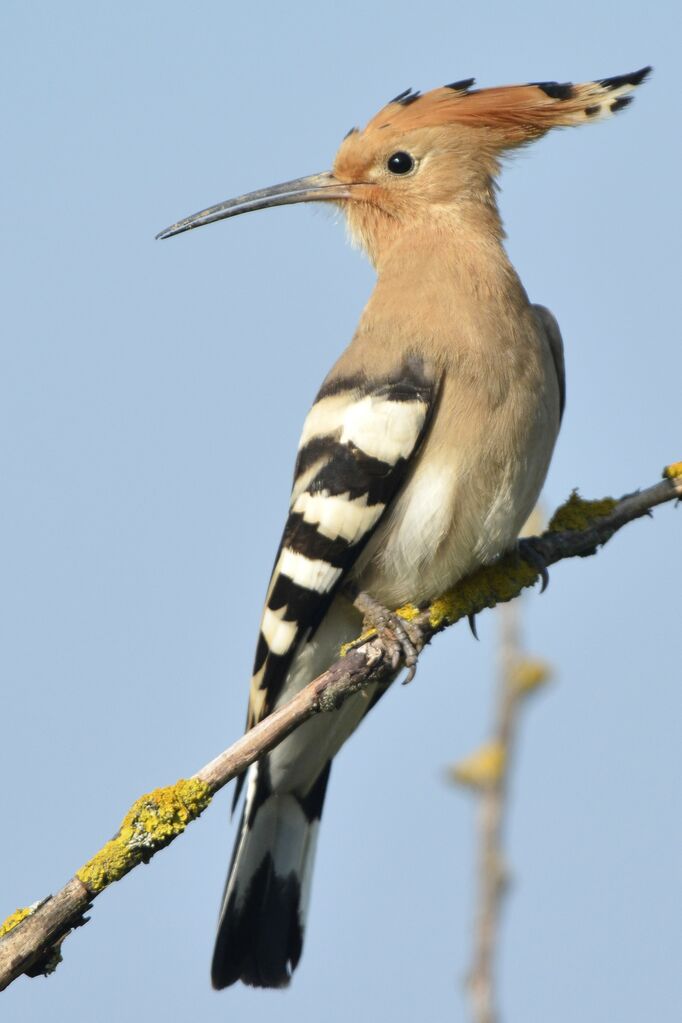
471	618
403	641
530	553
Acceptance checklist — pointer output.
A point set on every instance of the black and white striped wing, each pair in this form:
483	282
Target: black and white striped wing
355	451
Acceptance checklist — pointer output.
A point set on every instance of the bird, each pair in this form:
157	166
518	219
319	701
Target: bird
423	454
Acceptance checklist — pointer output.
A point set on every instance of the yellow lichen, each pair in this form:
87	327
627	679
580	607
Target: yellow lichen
491	585
408	612
673	471
14	919
577	514
482	768
529	675
152	822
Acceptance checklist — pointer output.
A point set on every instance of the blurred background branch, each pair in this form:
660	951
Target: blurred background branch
487	773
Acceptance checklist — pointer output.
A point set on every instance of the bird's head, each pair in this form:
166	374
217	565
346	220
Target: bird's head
431	159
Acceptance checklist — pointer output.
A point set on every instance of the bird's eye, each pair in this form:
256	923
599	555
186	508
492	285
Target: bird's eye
400	163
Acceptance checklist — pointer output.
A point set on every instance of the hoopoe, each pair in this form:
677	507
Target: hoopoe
421	458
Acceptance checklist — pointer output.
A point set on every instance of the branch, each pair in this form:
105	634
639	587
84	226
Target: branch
487	772
30	939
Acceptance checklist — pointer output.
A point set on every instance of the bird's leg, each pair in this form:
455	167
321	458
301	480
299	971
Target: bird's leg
531	552
402	640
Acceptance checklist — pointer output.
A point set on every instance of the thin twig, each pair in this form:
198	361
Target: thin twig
487	771
32	945
492	870
518	675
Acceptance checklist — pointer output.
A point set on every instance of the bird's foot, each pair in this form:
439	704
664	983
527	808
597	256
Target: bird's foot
530	552
404	642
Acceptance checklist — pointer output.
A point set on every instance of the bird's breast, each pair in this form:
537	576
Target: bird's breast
475	481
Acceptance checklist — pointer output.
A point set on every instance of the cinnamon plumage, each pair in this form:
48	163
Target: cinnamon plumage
421	458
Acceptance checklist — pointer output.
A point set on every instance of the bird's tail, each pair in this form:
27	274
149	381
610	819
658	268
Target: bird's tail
262	918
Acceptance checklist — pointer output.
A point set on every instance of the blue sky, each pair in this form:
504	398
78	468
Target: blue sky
151	397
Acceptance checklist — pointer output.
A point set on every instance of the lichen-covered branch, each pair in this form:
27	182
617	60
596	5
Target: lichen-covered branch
31	939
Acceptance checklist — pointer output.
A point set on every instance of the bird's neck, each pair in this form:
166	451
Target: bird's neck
437	272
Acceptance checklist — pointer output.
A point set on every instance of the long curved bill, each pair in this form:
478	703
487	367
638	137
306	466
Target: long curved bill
315	188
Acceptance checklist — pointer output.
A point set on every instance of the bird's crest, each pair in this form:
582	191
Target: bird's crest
512	114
